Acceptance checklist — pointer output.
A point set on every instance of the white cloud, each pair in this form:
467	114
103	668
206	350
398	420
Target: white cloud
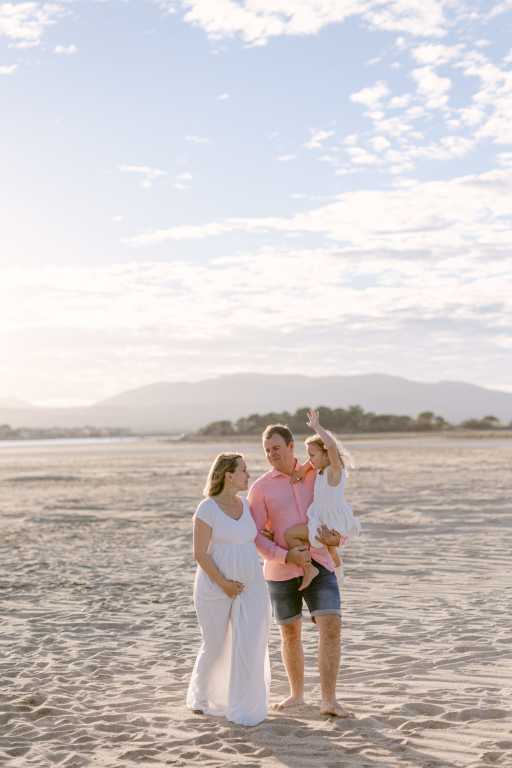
415	113
373	305
148	174
8	69
285	158
258	21
25	44
331	159
500	8
223	97
360	156
436	55
446	148
371	96
494	96
27	21
317	139
197	139
392	126
183	181
65	50
431	87
400	102
420	18
188	232
439	216
379	143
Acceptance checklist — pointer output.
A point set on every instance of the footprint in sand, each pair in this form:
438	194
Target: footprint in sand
32	700
206	740
422	708
464	715
413	725
504	745
263	752
491	757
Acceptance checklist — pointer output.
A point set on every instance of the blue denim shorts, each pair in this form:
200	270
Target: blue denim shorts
322	596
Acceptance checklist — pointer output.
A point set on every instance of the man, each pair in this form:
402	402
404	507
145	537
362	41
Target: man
277	503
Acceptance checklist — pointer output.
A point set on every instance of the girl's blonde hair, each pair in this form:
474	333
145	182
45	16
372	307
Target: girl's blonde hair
345	457
224	462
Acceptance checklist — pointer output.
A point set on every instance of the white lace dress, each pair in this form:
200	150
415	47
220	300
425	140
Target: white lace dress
231	675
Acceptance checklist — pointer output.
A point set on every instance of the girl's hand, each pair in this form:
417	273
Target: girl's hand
300	472
267	534
313	420
330	537
233	588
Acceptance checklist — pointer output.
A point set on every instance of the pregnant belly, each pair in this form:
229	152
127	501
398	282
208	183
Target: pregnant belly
240	562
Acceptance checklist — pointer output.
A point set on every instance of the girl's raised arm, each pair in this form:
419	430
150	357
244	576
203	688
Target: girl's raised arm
335	461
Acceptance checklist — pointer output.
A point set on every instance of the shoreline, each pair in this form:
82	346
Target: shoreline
191	438
455	434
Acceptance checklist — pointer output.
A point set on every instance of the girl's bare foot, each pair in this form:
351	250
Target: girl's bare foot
291	701
335	709
309	574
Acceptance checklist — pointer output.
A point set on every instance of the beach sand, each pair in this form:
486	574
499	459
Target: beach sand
98	633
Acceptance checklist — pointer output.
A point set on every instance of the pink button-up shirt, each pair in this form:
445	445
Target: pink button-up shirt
277	504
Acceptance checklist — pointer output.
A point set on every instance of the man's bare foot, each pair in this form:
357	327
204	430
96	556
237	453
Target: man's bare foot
335	709
291	701
309	574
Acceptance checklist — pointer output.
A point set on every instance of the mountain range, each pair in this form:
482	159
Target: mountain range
182	406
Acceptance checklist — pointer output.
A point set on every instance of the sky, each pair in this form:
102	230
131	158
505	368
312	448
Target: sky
190	188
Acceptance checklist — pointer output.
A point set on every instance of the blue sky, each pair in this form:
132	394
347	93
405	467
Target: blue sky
194	188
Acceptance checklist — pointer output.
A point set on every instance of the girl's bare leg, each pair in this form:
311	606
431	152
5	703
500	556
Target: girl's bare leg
297	536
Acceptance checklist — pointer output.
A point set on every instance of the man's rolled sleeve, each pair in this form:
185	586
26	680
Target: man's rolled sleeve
267	549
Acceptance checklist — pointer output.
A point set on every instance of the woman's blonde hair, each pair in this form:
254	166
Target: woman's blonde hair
345	457
224	462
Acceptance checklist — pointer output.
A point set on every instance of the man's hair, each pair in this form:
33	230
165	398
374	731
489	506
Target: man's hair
278	429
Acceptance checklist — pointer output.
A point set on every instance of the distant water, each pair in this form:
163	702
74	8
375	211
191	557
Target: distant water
66	441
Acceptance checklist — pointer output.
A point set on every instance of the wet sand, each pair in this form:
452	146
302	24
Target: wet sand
98	633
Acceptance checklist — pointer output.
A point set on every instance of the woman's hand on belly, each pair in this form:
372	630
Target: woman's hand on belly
232	588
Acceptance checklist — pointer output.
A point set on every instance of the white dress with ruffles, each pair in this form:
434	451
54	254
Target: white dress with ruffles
329	507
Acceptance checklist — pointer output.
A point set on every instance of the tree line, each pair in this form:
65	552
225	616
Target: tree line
349	420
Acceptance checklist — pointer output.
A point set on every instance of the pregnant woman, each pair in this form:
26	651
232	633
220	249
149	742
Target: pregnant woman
231	675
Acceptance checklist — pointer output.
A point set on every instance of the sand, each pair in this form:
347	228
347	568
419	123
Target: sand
98	634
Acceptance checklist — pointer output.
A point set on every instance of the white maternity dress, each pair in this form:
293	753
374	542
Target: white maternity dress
231	676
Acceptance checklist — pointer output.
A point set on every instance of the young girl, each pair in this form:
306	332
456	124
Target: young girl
329	511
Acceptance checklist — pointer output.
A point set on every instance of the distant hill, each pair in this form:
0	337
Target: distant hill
182	406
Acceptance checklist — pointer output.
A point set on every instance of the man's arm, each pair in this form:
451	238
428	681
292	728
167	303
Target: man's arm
267	549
